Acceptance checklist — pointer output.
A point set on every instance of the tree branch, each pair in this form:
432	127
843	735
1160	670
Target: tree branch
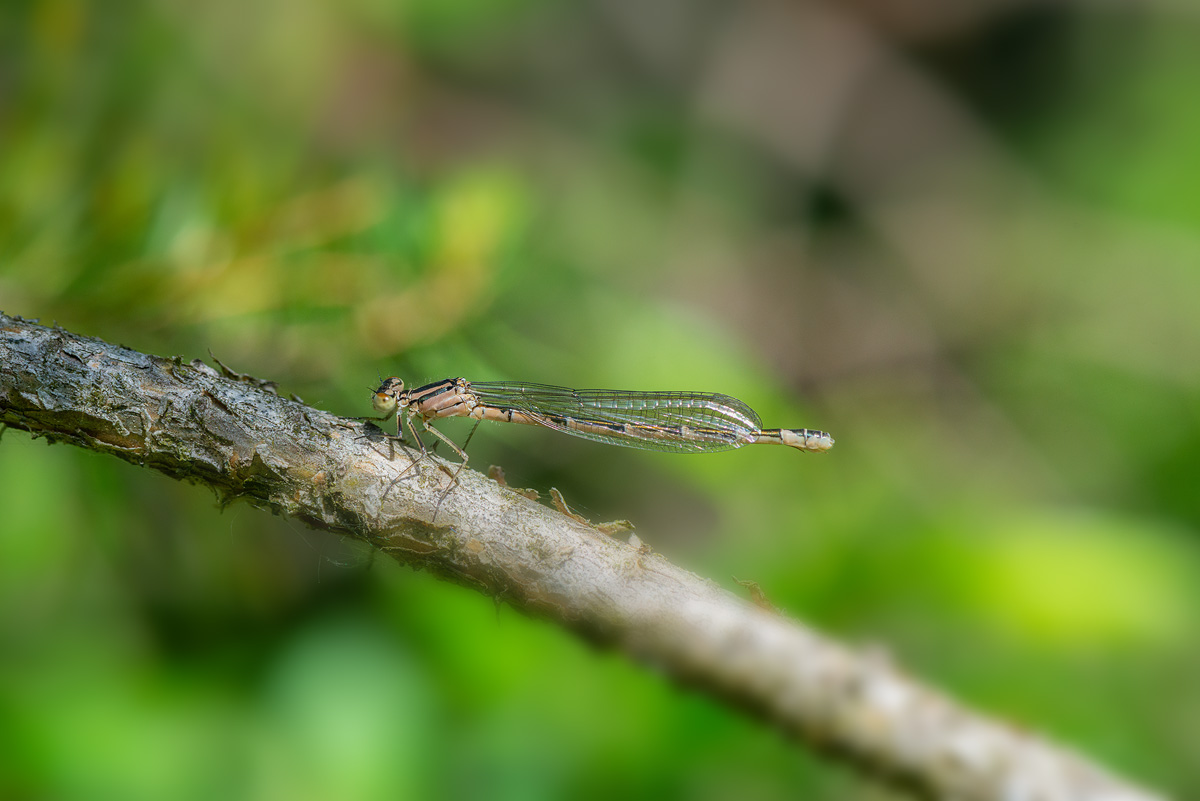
232	434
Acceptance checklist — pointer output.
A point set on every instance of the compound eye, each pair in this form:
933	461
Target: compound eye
387	397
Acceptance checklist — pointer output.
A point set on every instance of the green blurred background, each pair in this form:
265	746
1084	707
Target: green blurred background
961	236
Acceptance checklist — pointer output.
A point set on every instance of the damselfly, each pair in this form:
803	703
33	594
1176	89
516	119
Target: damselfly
680	422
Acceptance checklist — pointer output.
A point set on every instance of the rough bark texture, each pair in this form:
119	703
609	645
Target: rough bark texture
234	434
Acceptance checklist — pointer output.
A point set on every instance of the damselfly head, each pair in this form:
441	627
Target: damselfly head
387	397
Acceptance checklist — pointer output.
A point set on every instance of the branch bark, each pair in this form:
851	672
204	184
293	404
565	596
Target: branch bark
235	435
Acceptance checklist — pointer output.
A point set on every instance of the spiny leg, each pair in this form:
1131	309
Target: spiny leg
467	441
392	439
425	452
402	420
461	453
399	437
453	476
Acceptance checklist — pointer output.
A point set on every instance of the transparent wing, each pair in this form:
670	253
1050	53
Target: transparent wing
681	422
